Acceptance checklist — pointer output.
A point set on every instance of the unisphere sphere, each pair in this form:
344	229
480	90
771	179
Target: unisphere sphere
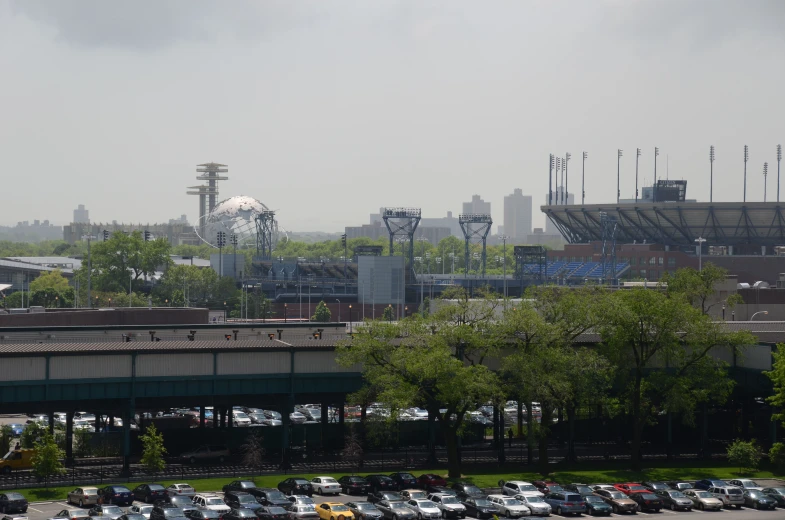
234	215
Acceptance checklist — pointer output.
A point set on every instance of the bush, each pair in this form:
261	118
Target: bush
322	313
777	455
744	454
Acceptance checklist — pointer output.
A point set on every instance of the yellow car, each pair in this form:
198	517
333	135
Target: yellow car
334	511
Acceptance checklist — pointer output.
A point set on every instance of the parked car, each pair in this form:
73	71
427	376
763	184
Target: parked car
608	487
479	507
777	493
239	499
166	512
465	490
647	501
403	480
424	508
117	495
674	500
707	483
334	511
73	514
211	502
364	511
449	505
515	487
299	500
16	429
303	512
354	485
13	503
240	513
131	516
144	510
745	483
270	497
655	486
206	453
413	494
204	514
325	486
108	510
509	506
378	496
181	489
395	510
703	500
619	502
83	496
581	489
546	486
428	480
630	488
758	499
240	418
297	418
272	513
443	490
381	483
183	502
681	486
565	503
596	506
536	504
296	486
730	496
149	493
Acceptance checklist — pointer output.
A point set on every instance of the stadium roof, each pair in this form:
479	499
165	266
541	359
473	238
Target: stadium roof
675	224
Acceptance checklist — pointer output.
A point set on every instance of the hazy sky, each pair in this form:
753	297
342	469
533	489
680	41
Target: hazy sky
327	110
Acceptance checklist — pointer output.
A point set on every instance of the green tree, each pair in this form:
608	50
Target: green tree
53	298
253	450
777	455
83	443
699	287
46	459
32	433
388	314
645	331
777	376
153	450
6	436
322	313
125	257
744	454
53	280
14	300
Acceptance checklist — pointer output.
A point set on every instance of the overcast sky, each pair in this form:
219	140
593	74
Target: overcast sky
327	110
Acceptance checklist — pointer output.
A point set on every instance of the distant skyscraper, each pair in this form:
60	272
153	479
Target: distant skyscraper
550	228
518	215
81	215
477	206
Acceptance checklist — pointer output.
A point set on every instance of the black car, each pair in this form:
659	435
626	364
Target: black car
241	499
403	480
203	514
381	483
117	495
378	496
364	511
240	513
582	489
272	513
479	507
655	486
464	490
759	499
183	502
296	486
270	497
395	510
646	501
167	512
149	493
353	485
242	485
777	493
13	503
674	500
596	506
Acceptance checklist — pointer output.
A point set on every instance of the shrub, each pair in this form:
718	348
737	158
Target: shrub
744	454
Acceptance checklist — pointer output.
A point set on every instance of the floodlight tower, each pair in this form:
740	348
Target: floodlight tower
618	175
609	226
266	231
475	225
402	222
550	179
211	172
637	156
558	169
583	179
765	176
746	158
656	154
711	173
779	160
566	198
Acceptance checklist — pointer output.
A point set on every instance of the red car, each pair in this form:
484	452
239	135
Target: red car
546	486
631	488
429	480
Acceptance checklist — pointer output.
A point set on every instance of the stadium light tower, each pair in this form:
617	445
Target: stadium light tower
779	160
558	169
618	175
566	177
656	154
637	156
765	176
550	180
746	158
583	179
711	173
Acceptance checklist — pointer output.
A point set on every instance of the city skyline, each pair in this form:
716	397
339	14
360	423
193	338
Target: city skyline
440	100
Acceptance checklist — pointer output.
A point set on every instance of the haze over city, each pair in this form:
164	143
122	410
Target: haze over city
327	111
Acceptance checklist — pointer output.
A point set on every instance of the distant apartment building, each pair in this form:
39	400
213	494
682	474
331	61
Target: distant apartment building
433	229
178	233
81	215
477	206
517	216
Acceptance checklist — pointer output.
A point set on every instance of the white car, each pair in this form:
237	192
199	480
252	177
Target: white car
297	418
518	487
424	508
81	424
141	509
746	484
449	505
509	506
181	489
537	504
240	418
211	502
325	485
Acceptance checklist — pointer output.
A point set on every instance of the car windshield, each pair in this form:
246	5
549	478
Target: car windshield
338	507
677	494
247	485
240	415
156	487
90	491
365	506
145	509
208	513
781	491
417	494
718	483
450	500
300	481
407	476
649	496
120	489
14	496
593	500
173	512
703	494
397	505
534	500
583	489
472	490
245	513
181	501
131	516
245	499
275	495
637	488
356	479
213	501
616	495
512	502
527	488
734	491
276	510
112	510
329	480
306	508
749	483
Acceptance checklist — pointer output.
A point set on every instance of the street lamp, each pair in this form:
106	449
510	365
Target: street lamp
339	310
285	312
759	312
779	160
711	173
350	318
700	241
566	198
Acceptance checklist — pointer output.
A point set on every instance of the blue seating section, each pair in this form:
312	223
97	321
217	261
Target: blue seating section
574	270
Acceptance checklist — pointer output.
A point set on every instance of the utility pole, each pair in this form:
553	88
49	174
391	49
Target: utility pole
656	154
583	179
504	266
711	173
618	175
779	160
746	158
637	156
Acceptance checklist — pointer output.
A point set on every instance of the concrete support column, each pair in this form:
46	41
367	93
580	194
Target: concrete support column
201	416
52	423
341	405
520	418
69	438
502	457
286	409
128	414
229	417
323	408
495	426
670	436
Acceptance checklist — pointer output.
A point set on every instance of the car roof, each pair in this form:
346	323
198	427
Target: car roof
325	476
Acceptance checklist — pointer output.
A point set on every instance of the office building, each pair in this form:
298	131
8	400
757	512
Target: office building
477	206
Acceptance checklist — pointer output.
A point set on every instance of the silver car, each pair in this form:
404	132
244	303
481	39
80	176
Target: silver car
424	508
85	496
303	512
141	509
182	489
364	511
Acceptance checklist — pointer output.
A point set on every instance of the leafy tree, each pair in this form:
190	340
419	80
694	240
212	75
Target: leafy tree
253	450
644	331
153	450
14	300
126	257
699	287
82	443
388	314
777	455
46	459
32	433
352	447
322	313
744	454
6	436
53	280
52	298
777	376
